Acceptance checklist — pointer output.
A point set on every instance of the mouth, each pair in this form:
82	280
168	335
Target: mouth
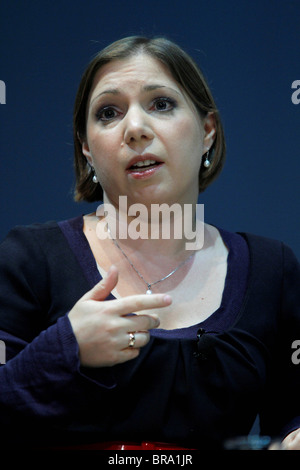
143	166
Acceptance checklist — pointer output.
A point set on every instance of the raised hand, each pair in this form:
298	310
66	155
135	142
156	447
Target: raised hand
105	331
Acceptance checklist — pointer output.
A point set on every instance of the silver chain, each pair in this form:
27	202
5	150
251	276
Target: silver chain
148	284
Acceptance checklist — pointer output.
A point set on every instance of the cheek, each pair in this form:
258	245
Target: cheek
189	139
103	149
97	143
102	146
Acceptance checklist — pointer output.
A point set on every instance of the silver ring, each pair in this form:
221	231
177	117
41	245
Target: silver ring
131	341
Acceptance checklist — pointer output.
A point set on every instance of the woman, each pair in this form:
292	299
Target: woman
92	358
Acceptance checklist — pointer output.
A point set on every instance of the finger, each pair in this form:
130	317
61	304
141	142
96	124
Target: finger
128	354
136	303
136	340
292	441
142	323
101	290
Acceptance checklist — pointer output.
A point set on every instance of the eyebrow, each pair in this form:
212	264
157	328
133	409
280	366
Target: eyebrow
116	91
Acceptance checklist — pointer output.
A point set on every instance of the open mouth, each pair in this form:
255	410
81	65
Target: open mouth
144	165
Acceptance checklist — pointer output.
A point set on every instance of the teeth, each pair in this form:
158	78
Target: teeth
145	163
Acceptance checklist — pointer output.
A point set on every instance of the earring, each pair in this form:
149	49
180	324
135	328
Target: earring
206	161
95	179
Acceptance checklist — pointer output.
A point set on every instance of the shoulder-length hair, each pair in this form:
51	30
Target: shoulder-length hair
187	74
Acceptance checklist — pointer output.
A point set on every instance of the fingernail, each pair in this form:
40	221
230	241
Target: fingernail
111	268
168	299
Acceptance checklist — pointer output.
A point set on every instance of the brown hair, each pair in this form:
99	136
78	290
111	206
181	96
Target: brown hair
187	74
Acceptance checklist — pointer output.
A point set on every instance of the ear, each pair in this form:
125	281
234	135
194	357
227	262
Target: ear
209	125
86	152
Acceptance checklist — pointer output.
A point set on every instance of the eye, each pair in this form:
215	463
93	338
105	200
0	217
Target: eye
163	104
106	114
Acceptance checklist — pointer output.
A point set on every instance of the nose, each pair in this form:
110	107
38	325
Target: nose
137	127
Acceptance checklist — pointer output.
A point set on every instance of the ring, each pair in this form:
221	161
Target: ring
131	342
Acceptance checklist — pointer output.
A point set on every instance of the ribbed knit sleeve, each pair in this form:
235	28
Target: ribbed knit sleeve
36	380
41	381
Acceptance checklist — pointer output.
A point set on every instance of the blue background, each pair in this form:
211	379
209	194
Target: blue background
250	52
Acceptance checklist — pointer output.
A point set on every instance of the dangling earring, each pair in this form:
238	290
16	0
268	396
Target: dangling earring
206	161
95	179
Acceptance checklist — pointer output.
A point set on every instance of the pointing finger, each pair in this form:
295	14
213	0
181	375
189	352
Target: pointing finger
136	303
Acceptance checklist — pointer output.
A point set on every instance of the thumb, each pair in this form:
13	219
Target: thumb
104	287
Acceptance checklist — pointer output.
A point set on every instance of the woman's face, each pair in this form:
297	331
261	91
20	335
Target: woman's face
144	137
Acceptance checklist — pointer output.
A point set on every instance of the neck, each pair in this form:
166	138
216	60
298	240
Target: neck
160	230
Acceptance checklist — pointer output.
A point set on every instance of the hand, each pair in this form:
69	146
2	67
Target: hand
102	327
292	440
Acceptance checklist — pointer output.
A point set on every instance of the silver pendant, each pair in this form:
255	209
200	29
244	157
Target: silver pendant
149	292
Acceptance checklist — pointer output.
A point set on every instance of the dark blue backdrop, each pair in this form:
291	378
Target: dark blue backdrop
248	49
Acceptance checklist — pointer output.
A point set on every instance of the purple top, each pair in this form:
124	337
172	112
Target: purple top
234	289
195	386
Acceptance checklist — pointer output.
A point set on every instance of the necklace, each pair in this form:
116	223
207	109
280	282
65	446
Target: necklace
148	284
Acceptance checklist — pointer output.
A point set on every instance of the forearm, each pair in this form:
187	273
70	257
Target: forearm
34	379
